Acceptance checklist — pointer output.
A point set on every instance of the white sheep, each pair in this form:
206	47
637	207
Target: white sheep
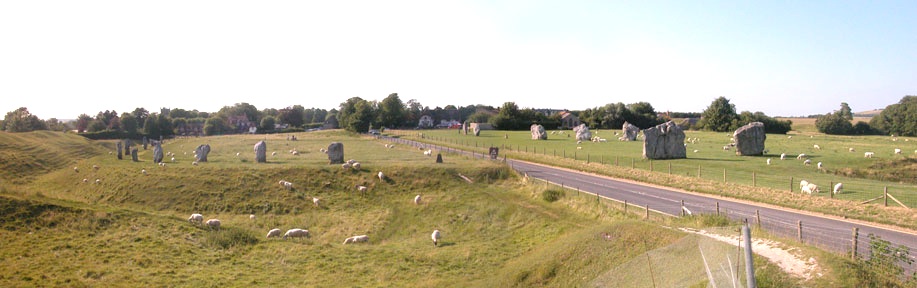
173	159
196	219
351	161
816	147
346	166
85	180
428	153
251	217
213	224
782	156
807	162
803	183
768	161
295	153
726	148
811	188
95	167
851	149
273	233
98	181
356	166
316	201
819	165
868	154
143	171
322	150
801	156
356	239
237	154
417	199
838	187
362	189
296	233
579	148
288	185
695	150
381	176
435	236
897	151
162	164
76	169
274	153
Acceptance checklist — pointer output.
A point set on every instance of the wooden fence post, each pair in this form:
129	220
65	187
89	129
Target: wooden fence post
886	196
670	168
651	165
682	208
791	184
632	163
799	230
754	179
647	216
831	193
698	171
717	208
724	175
853	243
625	207
758	218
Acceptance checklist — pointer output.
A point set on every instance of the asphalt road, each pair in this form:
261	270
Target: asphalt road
827	232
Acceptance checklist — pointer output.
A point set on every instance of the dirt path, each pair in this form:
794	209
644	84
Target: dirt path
784	258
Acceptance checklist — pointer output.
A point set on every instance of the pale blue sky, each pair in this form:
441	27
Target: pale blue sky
784	58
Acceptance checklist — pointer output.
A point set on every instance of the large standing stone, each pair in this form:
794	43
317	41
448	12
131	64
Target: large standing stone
157	152
145	142
127	146
538	132
120	147
134	155
630	132
476	130
336	153
465	128
665	141
202	152
582	133
261	152
750	139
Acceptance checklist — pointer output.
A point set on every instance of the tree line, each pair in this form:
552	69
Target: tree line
360	115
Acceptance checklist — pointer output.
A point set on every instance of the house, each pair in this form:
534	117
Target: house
449	124
568	120
425	122
241	123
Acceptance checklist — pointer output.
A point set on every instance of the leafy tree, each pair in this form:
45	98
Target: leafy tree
292	115
82	122
845	111
151	126
413	111
356	115
215	126
267	123
21	120
55	125
771	125
392	111
243	108
141	114
643	115
165	126
177	123
479	117
720	116
863	128
128	123
506	119
882	268
834	124
898	119
97	125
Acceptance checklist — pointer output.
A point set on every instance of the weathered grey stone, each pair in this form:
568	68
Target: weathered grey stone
582	133
630	132
260	152
336	153
750	139
120	147
134	155
127	146
538	132
465	128
202	152
665	141
157	152
477	131
145	142
439	158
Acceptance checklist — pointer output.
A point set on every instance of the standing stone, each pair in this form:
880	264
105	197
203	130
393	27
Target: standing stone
145	142
134	155
119	150
477	130
465	128
750	139
582	133
261	152
127	146
538	132
336	153
157	152
439	158
665	141
630	132
202	152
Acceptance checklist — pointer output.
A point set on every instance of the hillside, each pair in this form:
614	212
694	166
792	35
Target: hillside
26	155
131	228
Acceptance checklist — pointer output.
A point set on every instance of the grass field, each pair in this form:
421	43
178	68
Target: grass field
711	169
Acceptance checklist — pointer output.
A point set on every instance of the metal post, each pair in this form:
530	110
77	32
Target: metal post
698	171
749	261
625	206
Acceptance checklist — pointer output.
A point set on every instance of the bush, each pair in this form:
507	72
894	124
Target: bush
228	238
552	195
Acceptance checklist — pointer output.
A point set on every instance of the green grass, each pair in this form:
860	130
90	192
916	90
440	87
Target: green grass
130	229
745	177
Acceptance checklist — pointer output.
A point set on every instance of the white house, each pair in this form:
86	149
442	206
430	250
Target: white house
425	122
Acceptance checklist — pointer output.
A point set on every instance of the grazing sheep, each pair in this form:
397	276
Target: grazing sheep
435	236
782	156
803	183
868	154
173	159
579	142
295	153
193	163
274	153
351	161
579	148
296	233
322	150
356	166
251	217
98	181
356	239
273	233
197	219
346	166
851	149
362	189
897	151
143	171
816	147
838	187
237	154
95	167
85	180
789	137
726	148
768	161
213	224
381	176
807	162
417	199
287	185
801	156
811	188
695	150
819	165
316	201
428	153
162	164
76	169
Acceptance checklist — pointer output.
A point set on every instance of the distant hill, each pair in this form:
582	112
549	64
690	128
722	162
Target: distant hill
868	113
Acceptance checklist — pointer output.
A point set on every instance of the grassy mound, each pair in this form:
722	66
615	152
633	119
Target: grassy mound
25	155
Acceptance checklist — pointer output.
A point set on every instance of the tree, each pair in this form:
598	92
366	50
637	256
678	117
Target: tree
771	125
141	114
643	115
391	111
215	126
55	125
833	124
356	115
21	120
506	119
292	115
845	112
165	126
128	123
720	116
898	119
82	122
97	125
151	126
267	123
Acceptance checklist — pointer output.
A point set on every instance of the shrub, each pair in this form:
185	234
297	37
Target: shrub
552	195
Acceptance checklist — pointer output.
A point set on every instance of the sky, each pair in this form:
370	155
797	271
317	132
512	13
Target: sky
784	58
